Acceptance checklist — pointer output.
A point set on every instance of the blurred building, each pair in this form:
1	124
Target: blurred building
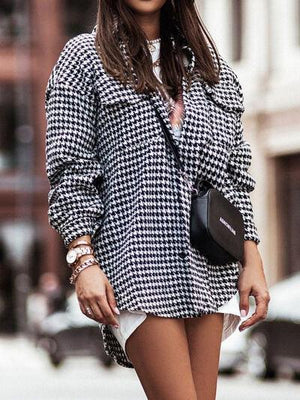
32	33
260	39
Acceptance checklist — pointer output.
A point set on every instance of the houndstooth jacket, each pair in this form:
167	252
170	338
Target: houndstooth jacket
113	177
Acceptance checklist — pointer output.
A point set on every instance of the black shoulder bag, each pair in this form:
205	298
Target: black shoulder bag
216	225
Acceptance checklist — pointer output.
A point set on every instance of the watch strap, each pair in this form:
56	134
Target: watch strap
80	242
80	252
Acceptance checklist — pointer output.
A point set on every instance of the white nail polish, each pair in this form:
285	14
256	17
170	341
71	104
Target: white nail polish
117	310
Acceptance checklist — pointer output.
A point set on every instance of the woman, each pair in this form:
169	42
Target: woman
116	194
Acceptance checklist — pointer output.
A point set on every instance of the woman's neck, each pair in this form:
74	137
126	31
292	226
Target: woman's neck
150	24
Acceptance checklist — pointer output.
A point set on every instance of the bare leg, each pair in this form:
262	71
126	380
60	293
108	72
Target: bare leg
204	337
159	351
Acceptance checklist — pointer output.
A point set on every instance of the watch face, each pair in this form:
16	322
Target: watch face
71	256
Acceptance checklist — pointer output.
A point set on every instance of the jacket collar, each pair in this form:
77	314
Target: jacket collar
192	60
227	93
229	98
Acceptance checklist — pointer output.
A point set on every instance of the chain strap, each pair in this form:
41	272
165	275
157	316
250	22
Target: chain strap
190	183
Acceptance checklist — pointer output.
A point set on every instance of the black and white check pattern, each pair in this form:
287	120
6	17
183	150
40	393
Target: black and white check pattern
113	177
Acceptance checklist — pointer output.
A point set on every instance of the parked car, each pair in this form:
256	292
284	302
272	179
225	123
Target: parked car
71	333
273	344
233	353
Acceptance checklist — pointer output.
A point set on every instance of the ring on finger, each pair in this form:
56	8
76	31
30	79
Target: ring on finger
89	310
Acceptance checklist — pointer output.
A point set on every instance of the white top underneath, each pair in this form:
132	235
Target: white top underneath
129	320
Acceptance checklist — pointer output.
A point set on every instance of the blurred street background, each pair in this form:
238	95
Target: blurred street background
48	348
26	375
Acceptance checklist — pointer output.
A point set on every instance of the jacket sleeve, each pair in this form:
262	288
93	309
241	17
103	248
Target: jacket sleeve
238	178
242	183
72	166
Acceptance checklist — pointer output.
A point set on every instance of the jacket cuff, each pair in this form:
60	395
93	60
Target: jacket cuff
244	204
76	228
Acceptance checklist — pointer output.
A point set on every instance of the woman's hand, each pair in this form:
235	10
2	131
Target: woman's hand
94	290
252	281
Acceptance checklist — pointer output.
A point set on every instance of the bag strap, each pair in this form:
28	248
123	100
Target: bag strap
173	147
167	136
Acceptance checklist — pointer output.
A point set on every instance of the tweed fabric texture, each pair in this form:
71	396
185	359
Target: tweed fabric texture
112	176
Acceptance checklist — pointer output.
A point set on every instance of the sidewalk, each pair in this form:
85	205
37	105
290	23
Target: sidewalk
26	374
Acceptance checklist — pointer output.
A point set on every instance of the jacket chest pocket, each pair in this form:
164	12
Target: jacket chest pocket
125	116
221	119
223	125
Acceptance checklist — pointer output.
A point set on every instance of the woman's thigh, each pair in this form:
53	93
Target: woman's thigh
204	340
159	351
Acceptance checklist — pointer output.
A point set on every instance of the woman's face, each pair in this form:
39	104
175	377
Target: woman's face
144	7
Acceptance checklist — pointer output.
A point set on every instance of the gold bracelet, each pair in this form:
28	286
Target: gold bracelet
85	264
86	243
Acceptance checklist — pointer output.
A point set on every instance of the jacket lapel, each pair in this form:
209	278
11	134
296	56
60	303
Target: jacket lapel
201	103
227	93
157	98
197	128
161	107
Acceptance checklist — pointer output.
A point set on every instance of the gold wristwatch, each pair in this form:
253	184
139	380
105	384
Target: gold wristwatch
75	252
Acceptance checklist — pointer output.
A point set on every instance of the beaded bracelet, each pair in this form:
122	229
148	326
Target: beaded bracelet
85	264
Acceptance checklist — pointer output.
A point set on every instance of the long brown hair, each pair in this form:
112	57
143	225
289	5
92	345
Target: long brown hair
125	54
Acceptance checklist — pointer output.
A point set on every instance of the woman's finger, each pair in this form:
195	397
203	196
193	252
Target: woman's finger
99	317
82	308
87	310
106	310
111	298
259	314
244	301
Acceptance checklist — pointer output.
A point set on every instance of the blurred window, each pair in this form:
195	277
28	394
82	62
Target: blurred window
289	200
79	16
201	7
7	22
7	127
237	29
298	22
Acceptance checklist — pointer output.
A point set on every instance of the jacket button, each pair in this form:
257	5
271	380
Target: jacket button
182	254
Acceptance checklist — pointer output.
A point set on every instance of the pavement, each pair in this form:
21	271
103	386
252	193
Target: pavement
26	374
